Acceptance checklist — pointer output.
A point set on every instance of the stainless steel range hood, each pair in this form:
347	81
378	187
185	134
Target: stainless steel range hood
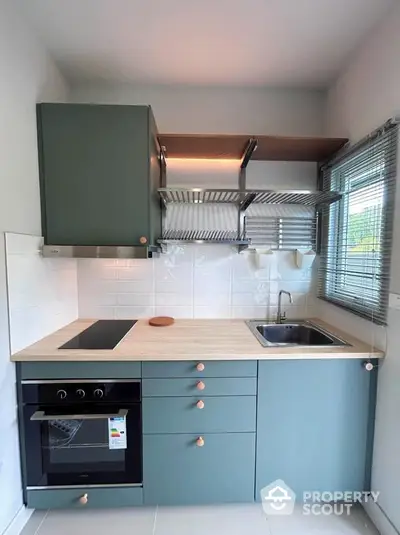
94	251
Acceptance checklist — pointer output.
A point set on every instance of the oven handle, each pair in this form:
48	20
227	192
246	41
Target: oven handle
40	416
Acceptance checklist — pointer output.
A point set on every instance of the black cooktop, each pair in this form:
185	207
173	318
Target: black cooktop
104	334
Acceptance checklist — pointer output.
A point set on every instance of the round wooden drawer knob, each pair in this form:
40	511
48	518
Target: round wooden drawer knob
143	240
200	367
200	404
200	442
200	385
84	499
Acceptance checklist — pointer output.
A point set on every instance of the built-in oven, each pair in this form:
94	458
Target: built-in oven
81	433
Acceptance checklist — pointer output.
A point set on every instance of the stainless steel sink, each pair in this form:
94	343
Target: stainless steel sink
293	334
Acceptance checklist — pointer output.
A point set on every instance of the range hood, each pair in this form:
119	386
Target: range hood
94	251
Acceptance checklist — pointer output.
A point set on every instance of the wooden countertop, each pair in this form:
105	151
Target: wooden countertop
187	340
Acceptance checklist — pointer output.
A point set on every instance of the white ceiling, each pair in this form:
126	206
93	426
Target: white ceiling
290	43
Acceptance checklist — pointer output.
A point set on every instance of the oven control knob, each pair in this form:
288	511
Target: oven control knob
80	393
62	394
98	393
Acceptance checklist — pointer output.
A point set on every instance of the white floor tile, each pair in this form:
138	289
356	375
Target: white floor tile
135	521
200	520
357	523
212	520
34	523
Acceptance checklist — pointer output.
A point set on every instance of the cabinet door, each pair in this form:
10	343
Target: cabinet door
105	497
314	423
157	179
94	166
176	471
213	368
182	415
214	386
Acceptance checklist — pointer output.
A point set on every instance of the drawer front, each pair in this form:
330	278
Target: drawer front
80	370
231	368
99	497
177	471
230	386
182	415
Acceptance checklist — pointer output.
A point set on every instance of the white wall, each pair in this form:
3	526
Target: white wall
218	110
27	76
365	96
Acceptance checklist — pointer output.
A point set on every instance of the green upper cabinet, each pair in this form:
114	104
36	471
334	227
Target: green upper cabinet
99	171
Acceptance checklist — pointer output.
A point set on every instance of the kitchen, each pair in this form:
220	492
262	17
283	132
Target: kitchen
217	362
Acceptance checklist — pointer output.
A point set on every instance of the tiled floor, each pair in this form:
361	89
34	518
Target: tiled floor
206	520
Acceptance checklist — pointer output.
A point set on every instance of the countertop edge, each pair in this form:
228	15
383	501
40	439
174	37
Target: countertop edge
326	356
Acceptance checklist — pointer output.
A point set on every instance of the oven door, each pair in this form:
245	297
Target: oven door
91	444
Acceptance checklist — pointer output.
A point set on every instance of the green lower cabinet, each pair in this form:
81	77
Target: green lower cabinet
95	497
215	386
315	425
176	471
213	368
220	414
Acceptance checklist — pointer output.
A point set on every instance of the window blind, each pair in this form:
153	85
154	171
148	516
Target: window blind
356	232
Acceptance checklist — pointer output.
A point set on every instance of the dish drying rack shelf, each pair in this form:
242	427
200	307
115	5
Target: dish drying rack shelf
244	198
205	236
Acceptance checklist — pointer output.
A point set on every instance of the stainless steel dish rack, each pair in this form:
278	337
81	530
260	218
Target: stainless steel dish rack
283	233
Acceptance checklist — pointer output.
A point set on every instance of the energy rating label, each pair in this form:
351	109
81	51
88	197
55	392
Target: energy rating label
117	433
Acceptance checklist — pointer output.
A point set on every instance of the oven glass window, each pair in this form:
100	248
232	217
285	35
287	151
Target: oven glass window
83	451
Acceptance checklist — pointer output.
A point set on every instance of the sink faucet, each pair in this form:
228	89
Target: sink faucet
280	317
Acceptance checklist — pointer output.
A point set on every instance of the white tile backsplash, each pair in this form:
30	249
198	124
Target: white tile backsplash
175	311
128	312
210	296
192	281
42	292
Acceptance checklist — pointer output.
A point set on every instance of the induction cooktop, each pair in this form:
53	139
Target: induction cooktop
104	334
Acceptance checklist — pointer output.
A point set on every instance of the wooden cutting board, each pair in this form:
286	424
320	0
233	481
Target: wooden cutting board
161	321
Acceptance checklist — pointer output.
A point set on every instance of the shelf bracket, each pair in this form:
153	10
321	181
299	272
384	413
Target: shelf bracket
246	199
248	152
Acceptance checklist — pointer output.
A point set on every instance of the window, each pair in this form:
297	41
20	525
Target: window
356	239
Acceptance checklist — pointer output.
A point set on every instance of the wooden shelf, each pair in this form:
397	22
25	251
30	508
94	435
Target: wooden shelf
270	148
204	146
298	149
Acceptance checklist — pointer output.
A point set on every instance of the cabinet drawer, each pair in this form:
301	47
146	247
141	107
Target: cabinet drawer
230	386
177	471
97	497
230	368
182	415
80	370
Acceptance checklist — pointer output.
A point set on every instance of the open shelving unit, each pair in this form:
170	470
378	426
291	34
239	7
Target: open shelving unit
243	148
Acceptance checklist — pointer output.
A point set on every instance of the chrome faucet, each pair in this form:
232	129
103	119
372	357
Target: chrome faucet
281	317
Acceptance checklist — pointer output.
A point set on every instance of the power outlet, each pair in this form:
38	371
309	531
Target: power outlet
394	301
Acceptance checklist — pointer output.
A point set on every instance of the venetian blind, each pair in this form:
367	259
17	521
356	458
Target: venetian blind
356	239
